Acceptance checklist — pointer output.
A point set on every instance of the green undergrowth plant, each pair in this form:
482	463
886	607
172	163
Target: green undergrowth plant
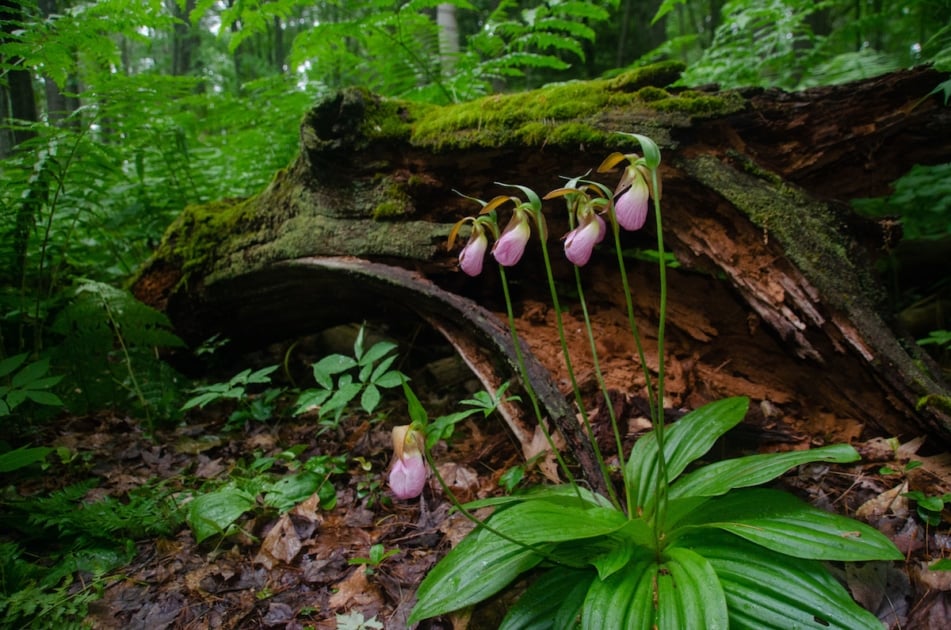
30	382
683	542
216	511
260	408
80	541
341	379
108	350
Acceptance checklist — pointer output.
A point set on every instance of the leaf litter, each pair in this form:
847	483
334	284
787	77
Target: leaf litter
293	569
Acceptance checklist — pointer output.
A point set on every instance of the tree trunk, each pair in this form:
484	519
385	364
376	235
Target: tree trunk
774	296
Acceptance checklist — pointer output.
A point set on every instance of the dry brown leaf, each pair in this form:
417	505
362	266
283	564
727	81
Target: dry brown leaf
281	544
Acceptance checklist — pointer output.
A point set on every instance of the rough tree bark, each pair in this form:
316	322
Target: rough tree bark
774	297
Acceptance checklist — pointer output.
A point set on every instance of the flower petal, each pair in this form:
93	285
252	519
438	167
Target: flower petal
408	477
580	241
630	209
509	248
472	255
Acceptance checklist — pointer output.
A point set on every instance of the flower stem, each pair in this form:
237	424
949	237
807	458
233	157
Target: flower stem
662	479
527	383
604	392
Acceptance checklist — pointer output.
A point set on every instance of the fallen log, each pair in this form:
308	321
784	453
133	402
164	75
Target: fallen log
774	297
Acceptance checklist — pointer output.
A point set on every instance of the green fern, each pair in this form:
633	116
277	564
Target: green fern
147	511
109	344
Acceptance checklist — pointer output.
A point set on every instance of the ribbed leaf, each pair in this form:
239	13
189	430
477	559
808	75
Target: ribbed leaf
689	594
624	601
767	591
686	440
785	524
721	477
543	521
479	567
552	602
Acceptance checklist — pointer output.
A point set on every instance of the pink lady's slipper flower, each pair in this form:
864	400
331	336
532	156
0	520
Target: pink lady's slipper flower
509	248
580	242
473	254
630	209
408	474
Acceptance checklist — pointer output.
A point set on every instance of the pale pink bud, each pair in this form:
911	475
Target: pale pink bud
630	209
408	475
509	248
472	255
580	241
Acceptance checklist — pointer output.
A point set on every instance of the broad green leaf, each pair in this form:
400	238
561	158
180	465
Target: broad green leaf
23	457
370	398
552	602
377	352
479	567
288	491
44	398
689	594
330	365
346	392
213	513
11	363
381	368
685	441
769	591
263	375
32	372
781	522
721	477
564	494
311	398
45	383
532	522
625	600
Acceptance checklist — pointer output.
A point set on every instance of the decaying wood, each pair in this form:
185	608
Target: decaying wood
774	298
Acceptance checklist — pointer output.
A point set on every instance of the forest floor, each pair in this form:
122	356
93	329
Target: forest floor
307	567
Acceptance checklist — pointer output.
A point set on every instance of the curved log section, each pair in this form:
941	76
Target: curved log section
290	296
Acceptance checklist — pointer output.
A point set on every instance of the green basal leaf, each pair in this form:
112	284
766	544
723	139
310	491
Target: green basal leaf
781	522
721	477
685	441
615	556
689	594
479	567
564	494
552	602
625	600
770	591
532	522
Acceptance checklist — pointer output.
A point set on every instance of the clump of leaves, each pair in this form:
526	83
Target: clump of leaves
341	379
720	554
216	512
31	382
260	408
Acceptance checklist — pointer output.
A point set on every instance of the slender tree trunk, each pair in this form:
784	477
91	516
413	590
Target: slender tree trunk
17	99
448	36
